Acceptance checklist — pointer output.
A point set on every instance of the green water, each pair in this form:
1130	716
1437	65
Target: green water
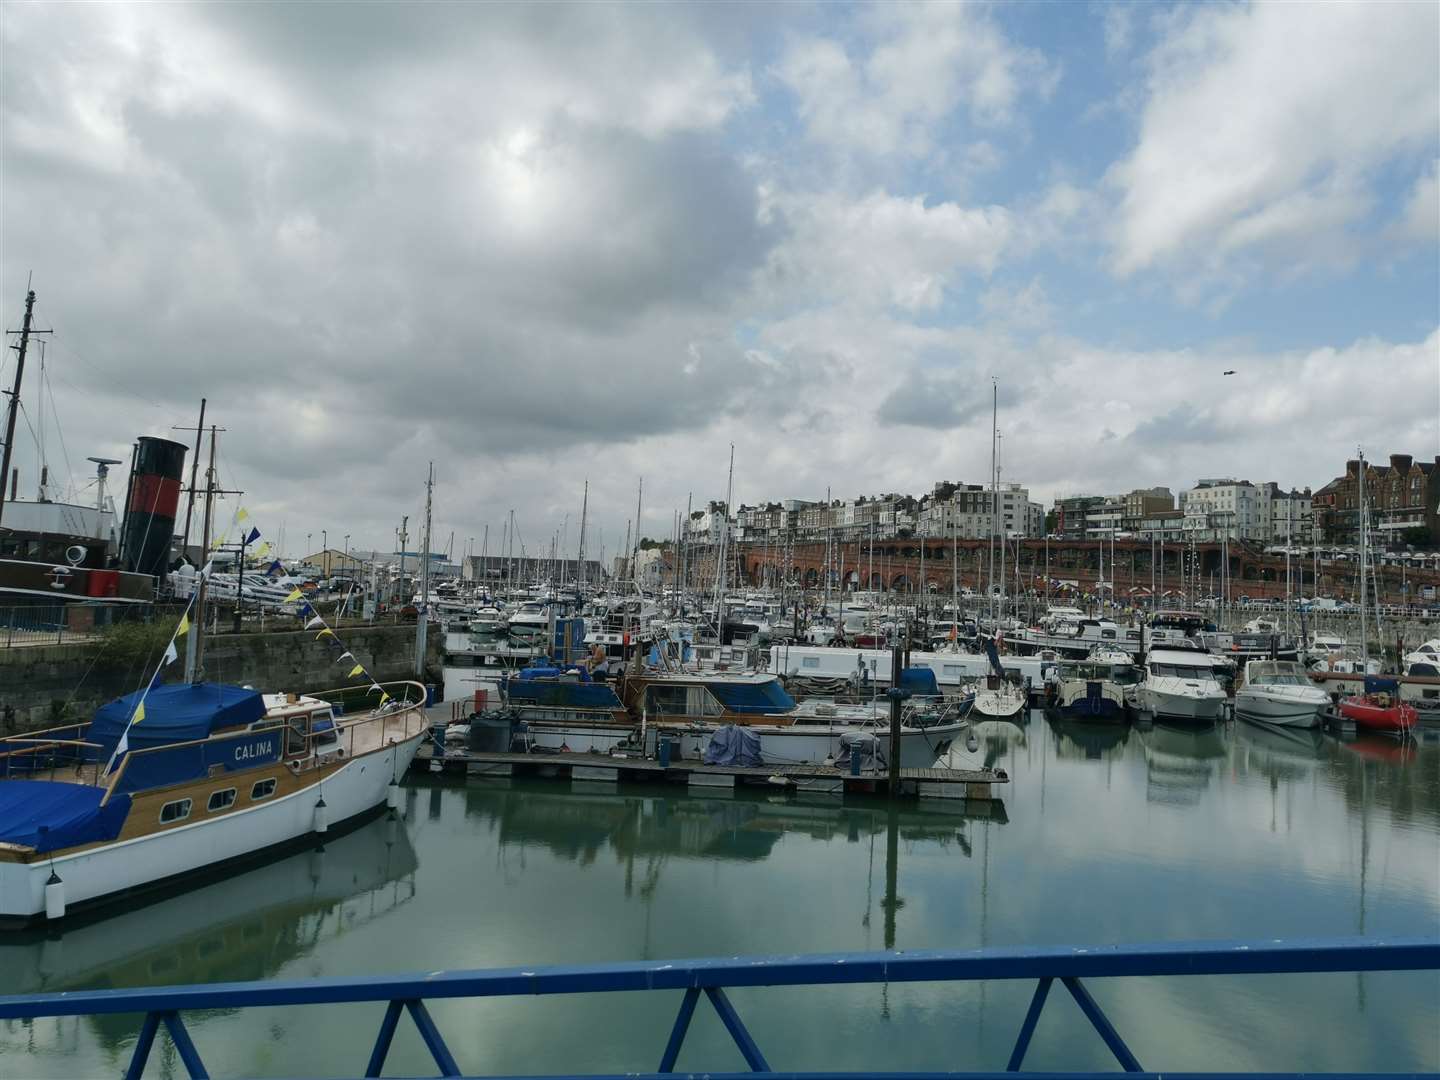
1104	836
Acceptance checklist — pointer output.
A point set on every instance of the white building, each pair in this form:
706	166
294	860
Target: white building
1216	509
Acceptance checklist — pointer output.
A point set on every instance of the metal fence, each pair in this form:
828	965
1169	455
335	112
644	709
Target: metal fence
712	978
59	624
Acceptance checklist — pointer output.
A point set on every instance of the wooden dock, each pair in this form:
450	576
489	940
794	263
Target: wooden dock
614	769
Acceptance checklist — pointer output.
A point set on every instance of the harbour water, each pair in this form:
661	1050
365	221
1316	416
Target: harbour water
1105	835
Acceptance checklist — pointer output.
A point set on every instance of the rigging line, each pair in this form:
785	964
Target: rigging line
49	386
60	341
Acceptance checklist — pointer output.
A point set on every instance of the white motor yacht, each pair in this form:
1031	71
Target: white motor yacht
1279	692
1180	684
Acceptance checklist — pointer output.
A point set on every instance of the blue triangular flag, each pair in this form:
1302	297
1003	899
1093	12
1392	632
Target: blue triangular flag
254	535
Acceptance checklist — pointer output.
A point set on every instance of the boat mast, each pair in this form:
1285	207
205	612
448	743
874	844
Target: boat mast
195	641
635	551
422	623
580	556
1364	639
994	486
14	392
1001	517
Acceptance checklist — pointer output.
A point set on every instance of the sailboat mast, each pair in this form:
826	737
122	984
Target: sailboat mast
1364	559
14	406
580	556
195	642
635	552
422	624
994	488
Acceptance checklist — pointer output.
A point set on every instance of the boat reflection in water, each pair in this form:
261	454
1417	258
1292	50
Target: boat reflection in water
245	927
1180	761
1093	741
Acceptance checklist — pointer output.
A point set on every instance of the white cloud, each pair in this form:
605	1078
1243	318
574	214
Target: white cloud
1421	218
1265	125
882	249
926	61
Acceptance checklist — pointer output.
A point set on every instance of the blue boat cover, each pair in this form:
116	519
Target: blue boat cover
919	680
1377	684
48	815
763	698
733	745
562	693
176	713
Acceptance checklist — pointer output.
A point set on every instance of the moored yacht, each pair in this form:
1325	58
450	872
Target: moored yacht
209	778
1280	692
1180	684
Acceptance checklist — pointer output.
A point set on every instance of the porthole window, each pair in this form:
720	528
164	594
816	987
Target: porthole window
220	800
174	811
263	789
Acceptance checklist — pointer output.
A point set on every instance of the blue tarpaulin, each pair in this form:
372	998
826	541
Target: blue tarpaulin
48	814
920	681
1377	684
177	713
733	745
562	693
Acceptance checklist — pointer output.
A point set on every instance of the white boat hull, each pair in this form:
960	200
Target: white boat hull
1284	710
1203	706
779	745
144	861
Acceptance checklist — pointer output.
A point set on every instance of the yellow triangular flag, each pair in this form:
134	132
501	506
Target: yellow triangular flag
384	697
294	595
242	514
139	713
322	633
358	669
263	550
184	627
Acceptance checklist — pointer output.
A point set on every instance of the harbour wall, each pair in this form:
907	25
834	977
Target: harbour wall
45	685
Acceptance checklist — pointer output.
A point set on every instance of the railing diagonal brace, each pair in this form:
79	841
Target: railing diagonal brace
383	1038
731	1019
431	1034
184	1046
677	1033
142	1046
1101	1023
1027	1029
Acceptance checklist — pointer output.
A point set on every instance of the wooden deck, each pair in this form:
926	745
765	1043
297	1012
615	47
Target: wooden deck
605	768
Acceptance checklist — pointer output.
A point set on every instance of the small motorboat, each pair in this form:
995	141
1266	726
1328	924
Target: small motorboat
1379	708
1280	692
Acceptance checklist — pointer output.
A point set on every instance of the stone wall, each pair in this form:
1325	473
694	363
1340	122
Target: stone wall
44	685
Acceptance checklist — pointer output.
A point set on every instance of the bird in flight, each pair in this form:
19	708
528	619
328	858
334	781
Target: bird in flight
1230	372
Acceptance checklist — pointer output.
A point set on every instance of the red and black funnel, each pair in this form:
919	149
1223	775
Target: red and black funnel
154	498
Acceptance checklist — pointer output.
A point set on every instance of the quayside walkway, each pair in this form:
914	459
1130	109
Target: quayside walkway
690	980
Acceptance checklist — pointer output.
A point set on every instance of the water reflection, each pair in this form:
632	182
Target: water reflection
1181	761
244	927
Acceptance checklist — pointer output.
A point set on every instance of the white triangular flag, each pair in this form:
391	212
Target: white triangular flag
316	621
171	654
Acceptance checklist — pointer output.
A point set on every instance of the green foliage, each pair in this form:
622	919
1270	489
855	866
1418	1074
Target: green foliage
131	644
1417	537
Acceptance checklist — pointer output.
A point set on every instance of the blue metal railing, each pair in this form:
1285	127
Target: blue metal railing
408	993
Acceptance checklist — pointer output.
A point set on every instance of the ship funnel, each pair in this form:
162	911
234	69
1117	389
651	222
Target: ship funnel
154	498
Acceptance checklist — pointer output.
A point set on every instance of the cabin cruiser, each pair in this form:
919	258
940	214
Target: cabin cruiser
1280	692
187	778
1180	684
1076	639
953	668
1169	629
565	710
489	620
530	619
1092	689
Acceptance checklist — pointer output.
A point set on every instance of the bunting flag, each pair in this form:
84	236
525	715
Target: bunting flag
316	621
322	633
346	655
384	697
374	687
358	669
184	627
242	514
139	712
295	594
171	654
251	536
274	568
262	550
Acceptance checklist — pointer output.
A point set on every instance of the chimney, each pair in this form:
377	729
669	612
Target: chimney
1352	467
1400	462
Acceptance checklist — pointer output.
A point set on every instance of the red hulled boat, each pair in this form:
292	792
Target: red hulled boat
1379	708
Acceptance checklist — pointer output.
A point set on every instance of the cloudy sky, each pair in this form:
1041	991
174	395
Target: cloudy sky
540	243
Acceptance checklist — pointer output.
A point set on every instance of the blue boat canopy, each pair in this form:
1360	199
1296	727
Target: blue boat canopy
763	698
48	814
177	713
1377	684
919	681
